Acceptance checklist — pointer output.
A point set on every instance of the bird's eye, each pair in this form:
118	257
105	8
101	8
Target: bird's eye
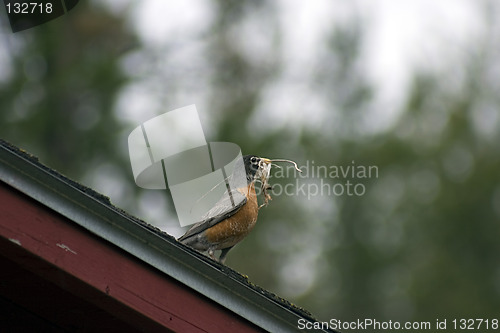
253	159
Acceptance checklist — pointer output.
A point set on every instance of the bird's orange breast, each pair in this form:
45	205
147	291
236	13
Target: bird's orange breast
233	229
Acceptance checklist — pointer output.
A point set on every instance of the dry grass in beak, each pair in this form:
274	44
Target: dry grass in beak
265	165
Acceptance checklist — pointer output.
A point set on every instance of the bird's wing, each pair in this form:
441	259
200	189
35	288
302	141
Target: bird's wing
222	210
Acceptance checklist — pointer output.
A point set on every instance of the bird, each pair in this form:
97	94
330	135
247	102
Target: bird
228	223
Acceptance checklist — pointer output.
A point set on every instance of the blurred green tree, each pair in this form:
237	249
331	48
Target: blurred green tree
56	99
421	244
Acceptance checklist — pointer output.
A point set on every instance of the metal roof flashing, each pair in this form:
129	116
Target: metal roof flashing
94	212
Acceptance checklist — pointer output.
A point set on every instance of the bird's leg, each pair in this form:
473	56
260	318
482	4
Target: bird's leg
223	254
211	254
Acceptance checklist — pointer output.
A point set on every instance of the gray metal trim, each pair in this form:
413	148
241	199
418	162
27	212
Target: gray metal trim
166	255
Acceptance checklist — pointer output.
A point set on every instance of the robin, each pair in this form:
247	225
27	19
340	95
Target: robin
226	225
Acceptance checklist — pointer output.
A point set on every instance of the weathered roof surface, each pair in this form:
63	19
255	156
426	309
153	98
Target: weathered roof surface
94	212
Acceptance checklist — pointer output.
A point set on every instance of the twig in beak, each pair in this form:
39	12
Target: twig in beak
266	171
282	160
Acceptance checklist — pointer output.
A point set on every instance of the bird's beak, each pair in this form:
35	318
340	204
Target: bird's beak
264	168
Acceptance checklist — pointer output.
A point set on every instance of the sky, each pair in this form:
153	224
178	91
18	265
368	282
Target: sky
400	36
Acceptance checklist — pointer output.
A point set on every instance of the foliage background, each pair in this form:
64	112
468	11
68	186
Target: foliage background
421	244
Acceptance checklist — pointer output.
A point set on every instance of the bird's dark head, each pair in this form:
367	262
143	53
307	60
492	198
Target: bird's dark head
253	166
